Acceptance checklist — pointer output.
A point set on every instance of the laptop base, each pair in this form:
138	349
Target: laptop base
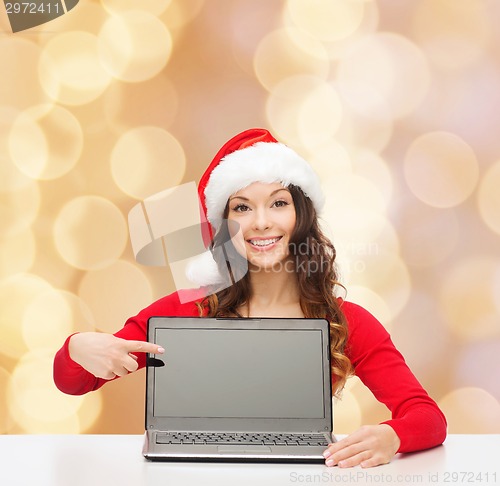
231	453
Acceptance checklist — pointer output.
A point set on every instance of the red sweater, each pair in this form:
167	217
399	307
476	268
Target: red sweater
416	418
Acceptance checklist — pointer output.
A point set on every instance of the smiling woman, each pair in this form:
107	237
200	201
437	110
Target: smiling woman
262	201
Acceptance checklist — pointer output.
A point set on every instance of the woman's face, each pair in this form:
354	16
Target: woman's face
265	217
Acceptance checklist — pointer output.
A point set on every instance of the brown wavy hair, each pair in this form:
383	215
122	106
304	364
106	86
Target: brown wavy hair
314	256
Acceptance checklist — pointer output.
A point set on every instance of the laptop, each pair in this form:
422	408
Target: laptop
238	390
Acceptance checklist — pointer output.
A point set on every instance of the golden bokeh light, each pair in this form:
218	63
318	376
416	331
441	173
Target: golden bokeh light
5	419
347	413
153	102
319	115
90	232
16	293
19	87
248	23
147	160
355	234
35	403
327	20
388	276
134	46
441	169
278	58
354	194
473	360
375	169
471	410
94	163
496	288
121	282
18	209
154	7
385	274
4	22
467	298
465	103
55	142
421	327
70	71
11	178
488	198
91	15
395	67
51	317
356	221
180	12
368	121
428	235
354	247
364	239
90	410
369	299
453	34
30	158
285	103
329	160
338	48
18	252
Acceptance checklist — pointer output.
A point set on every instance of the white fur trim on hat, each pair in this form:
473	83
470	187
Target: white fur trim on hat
202	270
262	162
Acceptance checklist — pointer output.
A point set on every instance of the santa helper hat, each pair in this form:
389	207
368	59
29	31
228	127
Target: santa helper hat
251	156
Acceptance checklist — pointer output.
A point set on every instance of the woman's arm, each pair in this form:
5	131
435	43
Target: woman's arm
417	422
87	361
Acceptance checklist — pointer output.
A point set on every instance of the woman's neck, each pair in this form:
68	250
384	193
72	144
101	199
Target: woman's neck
273	294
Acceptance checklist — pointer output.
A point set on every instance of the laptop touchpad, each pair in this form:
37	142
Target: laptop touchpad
242	449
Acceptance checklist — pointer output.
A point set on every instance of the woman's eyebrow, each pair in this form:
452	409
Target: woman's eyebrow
278	190
270	195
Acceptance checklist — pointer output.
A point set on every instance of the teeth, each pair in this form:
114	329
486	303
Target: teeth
264	242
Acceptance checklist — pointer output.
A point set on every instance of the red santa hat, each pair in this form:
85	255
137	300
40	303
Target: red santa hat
251	156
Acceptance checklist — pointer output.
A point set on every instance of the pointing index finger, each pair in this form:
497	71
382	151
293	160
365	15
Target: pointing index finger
144	347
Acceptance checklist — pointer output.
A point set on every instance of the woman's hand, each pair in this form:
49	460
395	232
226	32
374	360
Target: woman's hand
369	446
105	355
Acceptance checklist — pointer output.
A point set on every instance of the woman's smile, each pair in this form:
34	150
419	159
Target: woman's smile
263	243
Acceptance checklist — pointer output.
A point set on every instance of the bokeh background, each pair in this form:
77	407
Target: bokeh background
396	103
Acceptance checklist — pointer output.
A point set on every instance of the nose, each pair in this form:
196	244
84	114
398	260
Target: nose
261	220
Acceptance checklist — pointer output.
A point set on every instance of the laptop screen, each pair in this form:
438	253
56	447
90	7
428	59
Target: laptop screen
219	373
224	374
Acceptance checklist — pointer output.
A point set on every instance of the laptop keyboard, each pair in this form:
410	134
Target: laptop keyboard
225	438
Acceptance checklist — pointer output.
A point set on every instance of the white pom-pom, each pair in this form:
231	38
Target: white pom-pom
202	270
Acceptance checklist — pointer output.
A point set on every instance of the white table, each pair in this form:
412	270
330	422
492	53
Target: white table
116	460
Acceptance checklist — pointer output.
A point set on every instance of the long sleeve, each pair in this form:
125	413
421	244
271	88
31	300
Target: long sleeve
416	418
72	379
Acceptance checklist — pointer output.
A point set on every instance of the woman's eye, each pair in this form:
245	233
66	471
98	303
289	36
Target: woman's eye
241	208
281	203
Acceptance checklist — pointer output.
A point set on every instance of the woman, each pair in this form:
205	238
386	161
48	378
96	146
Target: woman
264	198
